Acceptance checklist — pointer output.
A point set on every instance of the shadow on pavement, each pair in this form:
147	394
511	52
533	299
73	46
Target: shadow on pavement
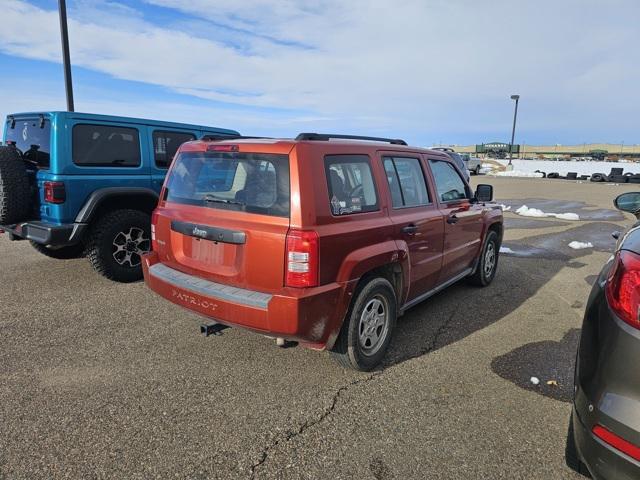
548	361
463	309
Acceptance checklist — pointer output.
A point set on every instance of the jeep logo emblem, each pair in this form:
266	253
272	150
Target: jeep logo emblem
199	233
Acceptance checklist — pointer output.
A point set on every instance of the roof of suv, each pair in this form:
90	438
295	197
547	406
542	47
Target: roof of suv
118	119
311	138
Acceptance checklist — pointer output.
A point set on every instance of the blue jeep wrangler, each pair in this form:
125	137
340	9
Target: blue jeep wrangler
78	184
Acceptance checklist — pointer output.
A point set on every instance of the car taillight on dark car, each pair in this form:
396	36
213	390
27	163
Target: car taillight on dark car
54	192
623	287
302	257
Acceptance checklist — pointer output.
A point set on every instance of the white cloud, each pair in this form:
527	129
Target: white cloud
395	65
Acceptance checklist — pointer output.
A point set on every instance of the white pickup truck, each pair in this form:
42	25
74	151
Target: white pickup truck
474	164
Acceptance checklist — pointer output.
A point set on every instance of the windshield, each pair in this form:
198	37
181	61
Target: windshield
32	136
248	182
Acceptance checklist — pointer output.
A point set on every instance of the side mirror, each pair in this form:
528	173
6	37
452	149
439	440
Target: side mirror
484	193
628	202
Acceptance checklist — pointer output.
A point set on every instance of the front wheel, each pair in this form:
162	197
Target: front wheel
477	170
488	261
368	326
117	242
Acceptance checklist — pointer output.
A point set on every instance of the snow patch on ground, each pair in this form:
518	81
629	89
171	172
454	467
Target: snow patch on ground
505	208
565	216
517	173
565	166
525	211
580	245
506	250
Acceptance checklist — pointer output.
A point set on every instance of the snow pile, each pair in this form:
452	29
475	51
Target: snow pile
530	212
580	245
525	211
505	208
565	216
506	250
518	173
565	166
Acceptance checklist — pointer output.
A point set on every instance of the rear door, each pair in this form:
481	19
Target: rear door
417	221
226	217
463	223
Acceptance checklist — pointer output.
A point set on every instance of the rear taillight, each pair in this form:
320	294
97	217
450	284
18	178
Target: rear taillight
302	259
617	442
623	287
54	192
154	221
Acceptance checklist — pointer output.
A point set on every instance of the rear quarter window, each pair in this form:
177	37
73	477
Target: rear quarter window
351	185
166	144
106	146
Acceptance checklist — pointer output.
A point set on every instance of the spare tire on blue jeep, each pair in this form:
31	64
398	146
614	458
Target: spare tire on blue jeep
15	192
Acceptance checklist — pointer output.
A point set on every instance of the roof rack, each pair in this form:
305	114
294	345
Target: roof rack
328	136
213	137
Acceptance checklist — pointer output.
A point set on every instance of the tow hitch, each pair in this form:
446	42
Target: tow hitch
214	328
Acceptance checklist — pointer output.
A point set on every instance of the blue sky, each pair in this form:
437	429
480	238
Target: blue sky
429	71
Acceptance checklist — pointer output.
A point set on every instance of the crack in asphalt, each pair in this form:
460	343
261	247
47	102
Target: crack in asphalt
264	454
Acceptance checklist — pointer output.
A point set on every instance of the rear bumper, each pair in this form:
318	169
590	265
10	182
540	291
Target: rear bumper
46	233
602	460
312	316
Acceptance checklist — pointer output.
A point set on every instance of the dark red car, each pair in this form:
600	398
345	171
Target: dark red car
323	240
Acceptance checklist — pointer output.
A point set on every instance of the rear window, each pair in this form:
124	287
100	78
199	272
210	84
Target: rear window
351	186
106	146
247	182
32	137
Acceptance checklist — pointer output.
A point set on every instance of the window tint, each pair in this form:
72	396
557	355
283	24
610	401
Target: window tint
105	145
350	182
165	145
32	139
406	182
247	182
449	184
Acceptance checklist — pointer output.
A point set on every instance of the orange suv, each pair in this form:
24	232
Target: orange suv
323	240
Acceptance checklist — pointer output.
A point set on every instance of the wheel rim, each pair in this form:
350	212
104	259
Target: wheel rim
489	259
374	325
129	246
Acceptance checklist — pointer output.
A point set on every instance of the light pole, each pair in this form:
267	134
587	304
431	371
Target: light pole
513	130
64	34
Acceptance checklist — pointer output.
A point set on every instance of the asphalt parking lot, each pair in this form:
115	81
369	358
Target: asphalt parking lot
104	380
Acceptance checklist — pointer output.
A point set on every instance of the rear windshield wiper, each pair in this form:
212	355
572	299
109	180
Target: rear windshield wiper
215	199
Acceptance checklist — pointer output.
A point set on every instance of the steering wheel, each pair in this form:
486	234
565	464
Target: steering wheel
357	191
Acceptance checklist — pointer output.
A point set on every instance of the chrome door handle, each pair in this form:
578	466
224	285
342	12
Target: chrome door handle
410	229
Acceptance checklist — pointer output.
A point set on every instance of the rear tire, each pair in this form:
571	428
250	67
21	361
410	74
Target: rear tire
60	253
116	243
15	193
368	326
571	456
477	170
488	262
